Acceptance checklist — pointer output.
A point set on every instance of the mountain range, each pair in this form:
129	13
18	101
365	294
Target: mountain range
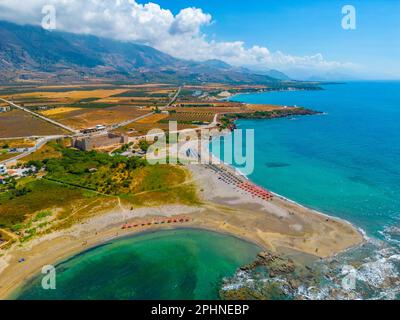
31	53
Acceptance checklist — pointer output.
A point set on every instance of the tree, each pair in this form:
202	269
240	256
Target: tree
144	145
35	163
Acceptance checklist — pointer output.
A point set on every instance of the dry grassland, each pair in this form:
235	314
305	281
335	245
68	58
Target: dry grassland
17	123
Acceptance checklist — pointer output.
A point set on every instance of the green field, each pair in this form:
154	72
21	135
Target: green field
18	205
113	175
6	155
79	184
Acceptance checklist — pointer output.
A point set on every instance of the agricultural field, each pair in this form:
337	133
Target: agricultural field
136	129
80	118
16	143
136	102
14	90
90	96
95	95
190	117
68	96
151	96
58	112
17	123
6	155
220	109
208	104
153	118
85	106
201	115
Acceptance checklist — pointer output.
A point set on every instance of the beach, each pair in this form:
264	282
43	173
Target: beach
276	224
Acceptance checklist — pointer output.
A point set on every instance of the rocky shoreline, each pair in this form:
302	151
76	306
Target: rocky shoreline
276	265
269	277
228	120
276	277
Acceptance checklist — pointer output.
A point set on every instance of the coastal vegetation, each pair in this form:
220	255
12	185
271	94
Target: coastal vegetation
227	121
76	184
31	196
278	113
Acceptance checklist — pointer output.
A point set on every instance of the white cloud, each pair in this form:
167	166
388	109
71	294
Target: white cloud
179	35
189	21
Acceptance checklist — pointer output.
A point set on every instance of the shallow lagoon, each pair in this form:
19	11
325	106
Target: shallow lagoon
174	264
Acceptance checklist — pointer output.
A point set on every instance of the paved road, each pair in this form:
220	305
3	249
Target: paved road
215	121
22	137
112	127
175	97
125	123
43	140
39	143
40	116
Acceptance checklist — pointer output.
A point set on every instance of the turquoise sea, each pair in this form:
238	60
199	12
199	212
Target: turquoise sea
182	264
345	162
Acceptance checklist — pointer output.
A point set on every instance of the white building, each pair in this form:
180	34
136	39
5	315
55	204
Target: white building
3	169
5	109
100	127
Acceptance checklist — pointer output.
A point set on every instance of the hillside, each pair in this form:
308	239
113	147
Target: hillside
32	53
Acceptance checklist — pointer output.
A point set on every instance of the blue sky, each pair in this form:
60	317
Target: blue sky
303	38
305	27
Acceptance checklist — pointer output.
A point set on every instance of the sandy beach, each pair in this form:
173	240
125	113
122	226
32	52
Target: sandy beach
278	225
